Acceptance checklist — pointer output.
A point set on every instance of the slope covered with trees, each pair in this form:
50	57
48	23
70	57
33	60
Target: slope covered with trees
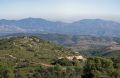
32	57
28	52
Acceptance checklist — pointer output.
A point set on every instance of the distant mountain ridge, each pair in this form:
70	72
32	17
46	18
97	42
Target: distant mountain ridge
97	27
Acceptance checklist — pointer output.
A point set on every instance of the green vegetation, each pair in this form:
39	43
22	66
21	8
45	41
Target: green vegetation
23	54
32	57
31	48
94	67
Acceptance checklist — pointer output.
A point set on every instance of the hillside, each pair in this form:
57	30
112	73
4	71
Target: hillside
32	48
33	57
29	51
84	44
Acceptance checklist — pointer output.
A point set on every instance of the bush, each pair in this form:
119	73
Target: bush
98	67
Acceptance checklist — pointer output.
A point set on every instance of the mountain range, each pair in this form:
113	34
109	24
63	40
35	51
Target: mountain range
97	27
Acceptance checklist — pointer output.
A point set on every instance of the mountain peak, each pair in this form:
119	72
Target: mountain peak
32	19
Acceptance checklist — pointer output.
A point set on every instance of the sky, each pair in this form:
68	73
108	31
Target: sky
60	10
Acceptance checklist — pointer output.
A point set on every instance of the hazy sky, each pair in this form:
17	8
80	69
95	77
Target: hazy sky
64	10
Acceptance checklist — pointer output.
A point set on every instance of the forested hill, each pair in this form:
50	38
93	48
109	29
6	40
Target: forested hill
32	48
32	57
